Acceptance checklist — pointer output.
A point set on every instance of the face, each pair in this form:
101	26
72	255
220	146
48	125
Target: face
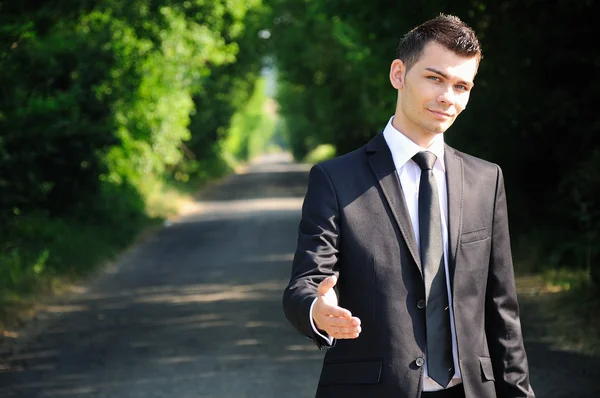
432	93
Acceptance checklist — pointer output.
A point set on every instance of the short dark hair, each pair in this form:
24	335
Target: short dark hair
447	30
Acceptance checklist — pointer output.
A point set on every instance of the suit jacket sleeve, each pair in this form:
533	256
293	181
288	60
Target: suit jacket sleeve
503	326
316	253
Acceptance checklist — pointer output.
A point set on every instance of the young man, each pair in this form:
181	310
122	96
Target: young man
403	268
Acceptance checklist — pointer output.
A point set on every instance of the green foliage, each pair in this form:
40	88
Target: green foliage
225	92
103	104
320	153
252	127
94	96
53	125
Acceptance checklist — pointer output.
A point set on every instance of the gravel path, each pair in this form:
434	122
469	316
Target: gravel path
194	311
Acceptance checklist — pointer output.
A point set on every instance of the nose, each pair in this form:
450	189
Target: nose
446	96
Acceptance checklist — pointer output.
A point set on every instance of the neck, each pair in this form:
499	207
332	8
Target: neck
423	139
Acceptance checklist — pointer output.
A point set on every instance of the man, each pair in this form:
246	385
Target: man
403	269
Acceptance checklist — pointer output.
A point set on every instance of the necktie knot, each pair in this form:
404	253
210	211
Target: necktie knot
425	160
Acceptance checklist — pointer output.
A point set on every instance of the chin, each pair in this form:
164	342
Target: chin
437	130
441	128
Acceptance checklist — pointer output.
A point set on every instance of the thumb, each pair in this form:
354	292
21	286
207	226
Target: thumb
326	285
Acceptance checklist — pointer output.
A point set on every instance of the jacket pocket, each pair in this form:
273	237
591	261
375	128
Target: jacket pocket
474	236
487	371
351	372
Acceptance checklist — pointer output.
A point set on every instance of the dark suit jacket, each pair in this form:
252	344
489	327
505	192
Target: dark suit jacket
355	225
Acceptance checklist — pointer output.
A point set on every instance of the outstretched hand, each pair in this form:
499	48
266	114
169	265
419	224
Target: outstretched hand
336	321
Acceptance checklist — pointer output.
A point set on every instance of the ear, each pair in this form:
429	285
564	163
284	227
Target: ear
397	72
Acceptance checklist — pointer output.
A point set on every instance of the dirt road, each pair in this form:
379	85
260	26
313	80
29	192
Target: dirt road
194	311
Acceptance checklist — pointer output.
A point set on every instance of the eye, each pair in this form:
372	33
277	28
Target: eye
462	87
434	78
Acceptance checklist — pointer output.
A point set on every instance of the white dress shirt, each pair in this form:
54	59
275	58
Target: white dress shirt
409	173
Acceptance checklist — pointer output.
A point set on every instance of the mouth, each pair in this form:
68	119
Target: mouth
440	114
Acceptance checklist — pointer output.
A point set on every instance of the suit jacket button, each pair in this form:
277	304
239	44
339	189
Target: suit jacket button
419	361
421	304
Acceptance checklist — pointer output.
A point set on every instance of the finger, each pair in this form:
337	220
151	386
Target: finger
334	330
343	322
342	336
326	285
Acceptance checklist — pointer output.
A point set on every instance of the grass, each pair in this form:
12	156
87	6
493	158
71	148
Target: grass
575	309
45	256
58	253
569	305
565	297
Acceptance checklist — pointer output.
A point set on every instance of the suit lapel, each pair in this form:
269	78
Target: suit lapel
382	164
454	179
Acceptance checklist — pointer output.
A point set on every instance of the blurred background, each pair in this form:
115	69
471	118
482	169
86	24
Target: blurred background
113	112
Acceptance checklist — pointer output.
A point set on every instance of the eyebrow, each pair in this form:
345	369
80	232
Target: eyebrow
445	76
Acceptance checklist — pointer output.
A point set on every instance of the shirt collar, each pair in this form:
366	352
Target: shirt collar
403	149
